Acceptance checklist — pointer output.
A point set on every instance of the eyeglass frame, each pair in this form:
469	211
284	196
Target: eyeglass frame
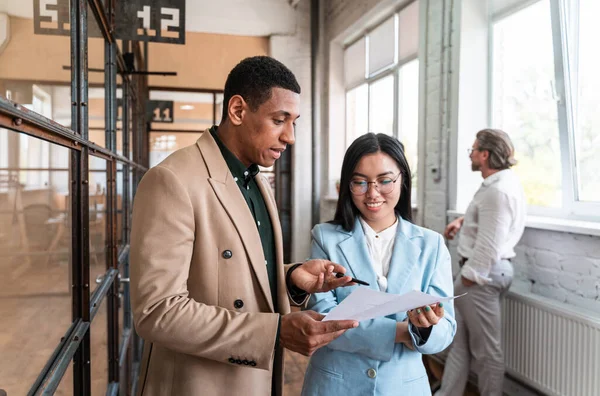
471	149
376	186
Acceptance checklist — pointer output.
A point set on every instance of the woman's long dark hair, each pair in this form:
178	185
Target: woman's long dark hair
346	211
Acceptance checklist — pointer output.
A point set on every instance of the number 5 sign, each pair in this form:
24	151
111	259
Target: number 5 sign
160	21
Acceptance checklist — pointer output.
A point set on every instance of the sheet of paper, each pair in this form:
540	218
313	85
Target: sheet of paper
364	303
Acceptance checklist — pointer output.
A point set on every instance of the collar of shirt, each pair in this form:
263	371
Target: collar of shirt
496	177
383	236
240	173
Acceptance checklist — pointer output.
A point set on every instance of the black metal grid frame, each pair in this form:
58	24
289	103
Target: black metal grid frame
74	347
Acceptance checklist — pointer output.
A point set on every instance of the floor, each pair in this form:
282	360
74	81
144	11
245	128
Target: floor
35	307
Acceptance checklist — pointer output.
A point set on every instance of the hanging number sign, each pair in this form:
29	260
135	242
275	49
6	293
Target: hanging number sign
160	111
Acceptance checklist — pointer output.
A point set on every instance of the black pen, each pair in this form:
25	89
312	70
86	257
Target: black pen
340	275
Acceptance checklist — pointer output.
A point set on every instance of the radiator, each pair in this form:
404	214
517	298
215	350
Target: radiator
551	347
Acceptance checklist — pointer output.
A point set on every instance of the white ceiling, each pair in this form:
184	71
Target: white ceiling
239	17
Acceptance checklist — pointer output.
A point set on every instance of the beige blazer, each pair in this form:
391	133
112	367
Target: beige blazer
200	292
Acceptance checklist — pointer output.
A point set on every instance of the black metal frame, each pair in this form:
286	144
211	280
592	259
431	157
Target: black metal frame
75	345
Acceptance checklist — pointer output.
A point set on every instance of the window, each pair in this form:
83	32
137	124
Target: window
545	94
408	116
357	113
586	100
381	106
523	102
381	76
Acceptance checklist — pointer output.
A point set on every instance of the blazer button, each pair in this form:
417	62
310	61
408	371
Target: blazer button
227	254
231	360
238	304
238	361
371	373
252	363
245	362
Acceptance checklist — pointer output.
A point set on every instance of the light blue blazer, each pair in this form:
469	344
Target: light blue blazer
365	360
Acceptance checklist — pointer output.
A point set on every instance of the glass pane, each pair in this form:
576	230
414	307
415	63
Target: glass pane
164	143
408	36
45	90
97	221
99	351
381	106
120	204
35	253
132	109
219	109
119	133
587	131
408	117
191	111
96	82
523	102
357	116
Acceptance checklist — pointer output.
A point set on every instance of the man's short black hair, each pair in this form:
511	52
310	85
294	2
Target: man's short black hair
254	78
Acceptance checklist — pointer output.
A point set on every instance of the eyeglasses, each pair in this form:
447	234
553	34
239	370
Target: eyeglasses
384	185
470	150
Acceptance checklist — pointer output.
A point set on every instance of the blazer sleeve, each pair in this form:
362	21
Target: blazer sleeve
441	284
373	338
162	240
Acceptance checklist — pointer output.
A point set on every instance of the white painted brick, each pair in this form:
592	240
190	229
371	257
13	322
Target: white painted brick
522	285
595	273
543	276
521	270
553	292
588	288
570	282
547	259
577	265
587	303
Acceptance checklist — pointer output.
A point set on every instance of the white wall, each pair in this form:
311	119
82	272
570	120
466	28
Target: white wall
294	52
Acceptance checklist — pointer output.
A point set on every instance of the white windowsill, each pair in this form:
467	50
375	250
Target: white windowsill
553	224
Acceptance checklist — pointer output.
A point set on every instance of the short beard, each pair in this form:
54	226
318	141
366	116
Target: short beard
475	167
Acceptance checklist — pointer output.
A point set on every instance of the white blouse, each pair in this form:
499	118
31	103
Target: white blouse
380	246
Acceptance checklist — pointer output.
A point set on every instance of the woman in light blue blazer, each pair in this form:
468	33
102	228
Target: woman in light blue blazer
373	237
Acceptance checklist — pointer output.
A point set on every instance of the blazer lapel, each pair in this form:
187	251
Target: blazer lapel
357	256
405	256
265	189
228	193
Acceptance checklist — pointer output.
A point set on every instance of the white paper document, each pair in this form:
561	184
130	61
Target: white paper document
364	303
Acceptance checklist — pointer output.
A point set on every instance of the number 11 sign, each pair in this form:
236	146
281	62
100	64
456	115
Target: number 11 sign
160	21
160	111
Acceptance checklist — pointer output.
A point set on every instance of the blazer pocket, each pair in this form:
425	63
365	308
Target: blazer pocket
325	371
408	381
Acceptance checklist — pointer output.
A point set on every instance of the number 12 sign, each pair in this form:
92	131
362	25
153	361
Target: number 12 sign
161	21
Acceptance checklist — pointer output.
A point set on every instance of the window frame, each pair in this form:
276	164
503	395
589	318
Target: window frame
384	72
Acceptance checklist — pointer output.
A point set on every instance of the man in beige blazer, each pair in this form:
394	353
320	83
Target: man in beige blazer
209	290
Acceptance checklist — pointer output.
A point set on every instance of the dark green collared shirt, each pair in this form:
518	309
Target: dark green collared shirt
244	178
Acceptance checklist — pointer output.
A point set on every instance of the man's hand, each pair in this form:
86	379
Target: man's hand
303	332
467	282
453	228
317	276
426	316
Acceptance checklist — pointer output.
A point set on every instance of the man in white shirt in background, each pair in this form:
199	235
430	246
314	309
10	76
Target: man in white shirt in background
491	227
